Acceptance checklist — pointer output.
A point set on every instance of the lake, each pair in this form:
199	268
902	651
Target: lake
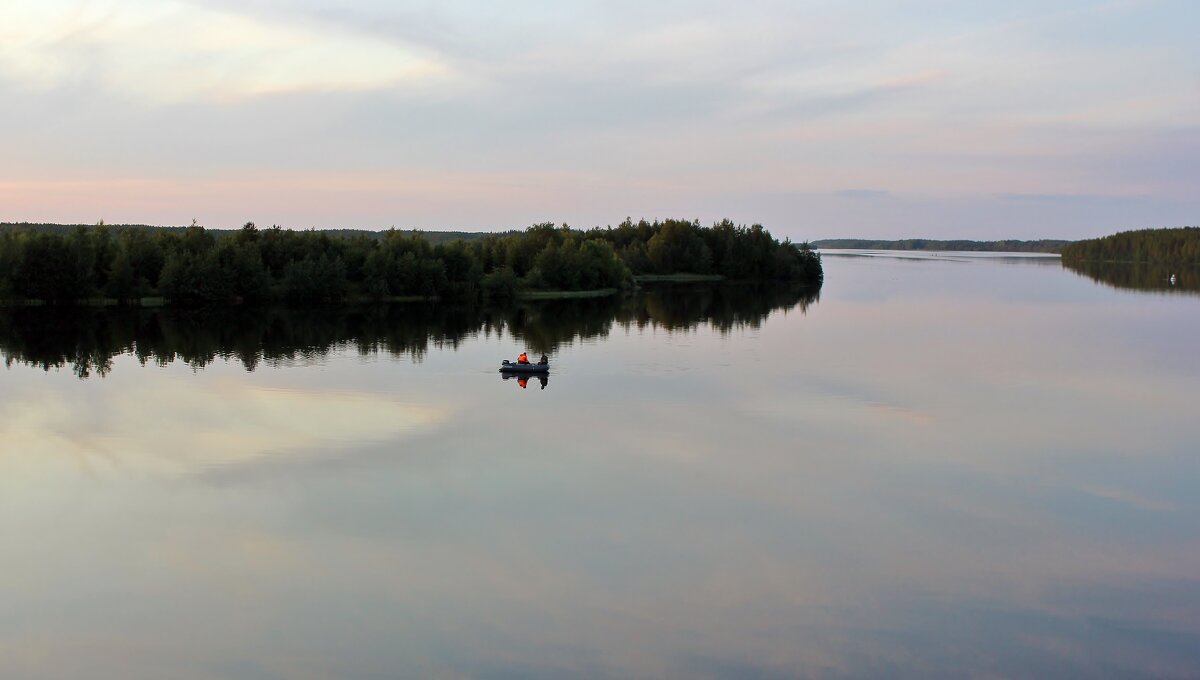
946	466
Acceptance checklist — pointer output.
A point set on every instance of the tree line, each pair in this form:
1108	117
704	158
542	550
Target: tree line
1179	245
197	266
434	237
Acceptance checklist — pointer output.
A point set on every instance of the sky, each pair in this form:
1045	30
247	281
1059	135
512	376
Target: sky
817	119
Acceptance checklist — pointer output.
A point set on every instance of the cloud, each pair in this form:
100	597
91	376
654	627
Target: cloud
862	193
835	88
170	51
1052	198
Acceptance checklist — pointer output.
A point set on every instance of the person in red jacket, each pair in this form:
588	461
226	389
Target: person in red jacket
523	359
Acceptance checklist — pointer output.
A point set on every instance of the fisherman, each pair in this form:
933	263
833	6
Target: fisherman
523	359
543	361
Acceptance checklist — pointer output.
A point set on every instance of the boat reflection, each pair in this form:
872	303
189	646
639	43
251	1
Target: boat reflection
523	378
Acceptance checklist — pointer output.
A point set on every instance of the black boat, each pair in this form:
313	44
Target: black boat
514	367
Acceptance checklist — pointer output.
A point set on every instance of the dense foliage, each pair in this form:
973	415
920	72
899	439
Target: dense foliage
88	340
434	237
1180	245
193	265
1007	246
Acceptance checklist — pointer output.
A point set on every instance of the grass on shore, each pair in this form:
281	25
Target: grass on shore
677	278
564	294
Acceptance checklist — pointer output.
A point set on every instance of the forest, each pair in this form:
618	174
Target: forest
434	237
1006	246
1180	245
192	266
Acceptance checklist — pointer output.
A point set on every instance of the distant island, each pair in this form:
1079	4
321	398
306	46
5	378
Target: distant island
1180	245
1007	246
140	264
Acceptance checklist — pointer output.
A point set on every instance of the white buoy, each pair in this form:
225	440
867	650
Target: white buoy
1172	279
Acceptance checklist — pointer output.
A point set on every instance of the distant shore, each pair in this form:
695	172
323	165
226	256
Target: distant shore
1179	246
960	245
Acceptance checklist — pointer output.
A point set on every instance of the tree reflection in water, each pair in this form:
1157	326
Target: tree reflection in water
1143	276
88	339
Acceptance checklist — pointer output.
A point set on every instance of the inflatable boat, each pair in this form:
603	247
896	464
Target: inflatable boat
514	367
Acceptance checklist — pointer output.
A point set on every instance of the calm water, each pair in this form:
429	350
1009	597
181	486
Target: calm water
945	467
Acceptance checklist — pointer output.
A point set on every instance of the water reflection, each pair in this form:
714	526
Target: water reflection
1148	277
523	380
1036	259
87	340
944	470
